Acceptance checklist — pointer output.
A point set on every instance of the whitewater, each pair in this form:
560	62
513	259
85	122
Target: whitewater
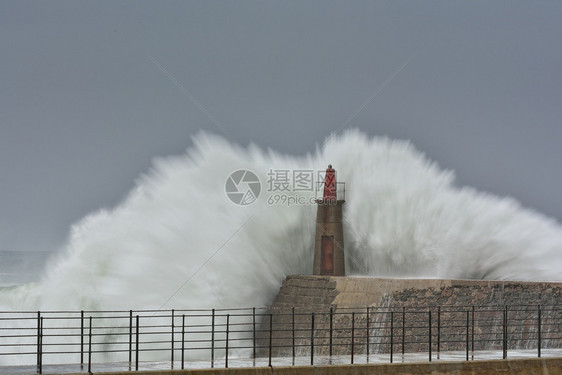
177	241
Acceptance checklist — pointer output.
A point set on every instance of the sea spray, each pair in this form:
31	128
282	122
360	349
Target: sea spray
178	241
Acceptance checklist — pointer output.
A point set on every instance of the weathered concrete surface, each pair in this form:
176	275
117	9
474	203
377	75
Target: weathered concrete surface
535	366
319	293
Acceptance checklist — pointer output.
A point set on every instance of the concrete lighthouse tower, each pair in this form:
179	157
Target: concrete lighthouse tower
328	244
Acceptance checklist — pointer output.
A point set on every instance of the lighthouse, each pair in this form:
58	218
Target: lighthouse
328	245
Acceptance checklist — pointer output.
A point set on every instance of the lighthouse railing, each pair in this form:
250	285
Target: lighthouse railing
340	191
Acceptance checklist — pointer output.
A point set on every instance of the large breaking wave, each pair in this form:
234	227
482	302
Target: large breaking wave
177	241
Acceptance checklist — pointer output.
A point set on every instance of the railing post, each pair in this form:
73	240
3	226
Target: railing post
90	335
352	335
182	341
472	336
403	331
130	338
368	334
39	343
438	332
331	330
42	336
254	334
226	343
391	335
172	354
539	331
293	335
429	335
270	337
213	338
82	339
505	333
312	339
467	330
137	344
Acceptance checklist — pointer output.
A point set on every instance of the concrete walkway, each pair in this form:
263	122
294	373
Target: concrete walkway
279	362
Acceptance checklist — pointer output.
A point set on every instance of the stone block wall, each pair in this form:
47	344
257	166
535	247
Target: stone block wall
368	314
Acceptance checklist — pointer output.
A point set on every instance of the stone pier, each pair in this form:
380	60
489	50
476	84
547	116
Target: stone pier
411	301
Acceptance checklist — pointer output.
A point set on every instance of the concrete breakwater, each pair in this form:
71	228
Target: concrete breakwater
376	315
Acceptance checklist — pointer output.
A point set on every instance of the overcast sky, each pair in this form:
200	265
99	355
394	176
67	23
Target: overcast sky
91	91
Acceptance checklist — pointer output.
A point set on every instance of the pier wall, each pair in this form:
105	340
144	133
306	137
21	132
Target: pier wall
458	310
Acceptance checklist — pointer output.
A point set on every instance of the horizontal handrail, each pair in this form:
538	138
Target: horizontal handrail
214	335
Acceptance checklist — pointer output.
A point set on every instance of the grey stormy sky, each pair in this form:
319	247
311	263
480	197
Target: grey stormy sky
85	105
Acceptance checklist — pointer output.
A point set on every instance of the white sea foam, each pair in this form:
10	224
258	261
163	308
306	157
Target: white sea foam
178	242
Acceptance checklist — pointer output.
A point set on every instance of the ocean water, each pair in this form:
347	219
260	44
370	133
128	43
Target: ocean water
178	241
21	267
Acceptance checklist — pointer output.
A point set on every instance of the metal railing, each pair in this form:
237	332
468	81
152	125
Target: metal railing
213	338
339	190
